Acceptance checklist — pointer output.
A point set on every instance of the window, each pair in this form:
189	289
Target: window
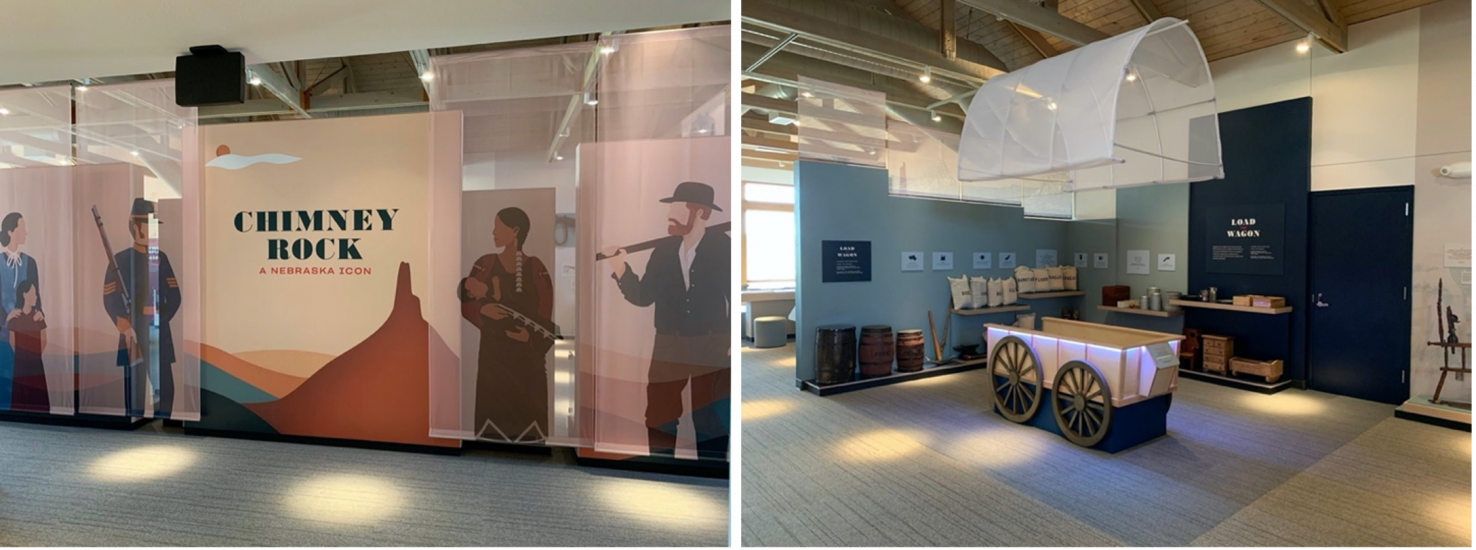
768	235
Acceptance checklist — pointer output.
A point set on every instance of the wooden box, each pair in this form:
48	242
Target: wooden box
1271	370
1216	352
1111	294
1242	300
1268	301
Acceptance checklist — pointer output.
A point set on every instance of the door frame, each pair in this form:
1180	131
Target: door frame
1405	321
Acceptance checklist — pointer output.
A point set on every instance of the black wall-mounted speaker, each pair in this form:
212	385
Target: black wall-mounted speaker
210	75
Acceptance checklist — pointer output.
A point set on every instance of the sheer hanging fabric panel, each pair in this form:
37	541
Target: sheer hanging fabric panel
839	123
139	314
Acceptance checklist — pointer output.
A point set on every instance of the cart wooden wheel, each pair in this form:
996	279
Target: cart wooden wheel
1083	403
1015	379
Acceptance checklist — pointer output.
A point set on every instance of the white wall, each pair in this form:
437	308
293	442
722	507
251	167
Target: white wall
1364	101
1393	108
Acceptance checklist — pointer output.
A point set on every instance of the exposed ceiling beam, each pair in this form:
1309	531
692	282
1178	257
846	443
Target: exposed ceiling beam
772	51
1147	10
1043	19
785	69
1036	40
829	33
410	97
1311	20
948	25
329	81
576	101
421	59
279	87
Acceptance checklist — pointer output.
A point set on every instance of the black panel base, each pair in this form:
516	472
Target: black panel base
714	469
1257	386
928	371
79	421
478	445
1433	421
328	441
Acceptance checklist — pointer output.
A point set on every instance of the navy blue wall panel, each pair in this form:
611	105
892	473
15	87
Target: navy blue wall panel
1267	152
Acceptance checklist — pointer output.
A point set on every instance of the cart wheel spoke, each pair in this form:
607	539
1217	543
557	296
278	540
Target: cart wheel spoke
1083	403
1014	374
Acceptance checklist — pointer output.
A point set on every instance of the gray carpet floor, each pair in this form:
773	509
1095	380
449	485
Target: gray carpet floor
926	463
63	486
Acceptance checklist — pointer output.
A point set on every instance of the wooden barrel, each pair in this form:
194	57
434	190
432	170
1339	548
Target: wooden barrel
876	351
835	354
909	350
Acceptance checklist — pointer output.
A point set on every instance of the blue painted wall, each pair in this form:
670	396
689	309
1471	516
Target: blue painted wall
838	202
1268	157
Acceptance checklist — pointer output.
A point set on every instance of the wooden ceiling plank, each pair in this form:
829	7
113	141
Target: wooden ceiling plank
1040	19
1312	21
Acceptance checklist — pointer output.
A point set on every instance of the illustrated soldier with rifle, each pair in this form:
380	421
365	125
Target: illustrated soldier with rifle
129	294
687	279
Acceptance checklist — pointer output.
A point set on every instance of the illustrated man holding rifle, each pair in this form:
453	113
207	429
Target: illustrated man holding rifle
129	298
687	278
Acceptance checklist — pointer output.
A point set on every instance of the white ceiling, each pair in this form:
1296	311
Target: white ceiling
68	39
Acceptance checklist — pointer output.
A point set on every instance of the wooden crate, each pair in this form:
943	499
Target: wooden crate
1242	300
1271	370
1268	301
1217	351
1112	294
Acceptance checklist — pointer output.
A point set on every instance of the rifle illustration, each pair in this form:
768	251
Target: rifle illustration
117	274
653	243
496	290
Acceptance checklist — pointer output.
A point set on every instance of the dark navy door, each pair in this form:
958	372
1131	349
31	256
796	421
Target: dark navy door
1362	251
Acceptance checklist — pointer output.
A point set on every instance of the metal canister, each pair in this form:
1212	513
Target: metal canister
1168	300
1155	299
1214	294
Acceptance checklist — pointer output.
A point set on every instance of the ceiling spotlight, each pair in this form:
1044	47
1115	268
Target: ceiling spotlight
1051	105
134	153
558	157
703	131
4	111
1303	47
870	150
1131	77
927	75
936	117
607	49
427	76
807	93
254	81
81	87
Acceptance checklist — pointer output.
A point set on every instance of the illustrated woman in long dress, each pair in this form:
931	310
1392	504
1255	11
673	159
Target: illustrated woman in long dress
509	297
17	268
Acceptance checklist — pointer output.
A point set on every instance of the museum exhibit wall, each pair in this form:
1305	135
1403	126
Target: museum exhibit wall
1091	237
1387	113
851	203
1153	218
1266	174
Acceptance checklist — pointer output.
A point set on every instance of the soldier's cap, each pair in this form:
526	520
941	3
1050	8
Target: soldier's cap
142	208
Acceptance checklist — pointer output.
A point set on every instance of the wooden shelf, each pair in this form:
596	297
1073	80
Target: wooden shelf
989	310
1137	311
1229	307
1052	294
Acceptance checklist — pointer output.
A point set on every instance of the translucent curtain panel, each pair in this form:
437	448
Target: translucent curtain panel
525	112
37	308
839	123
656	184
137	257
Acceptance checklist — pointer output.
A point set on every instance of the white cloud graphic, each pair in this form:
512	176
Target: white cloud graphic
233	161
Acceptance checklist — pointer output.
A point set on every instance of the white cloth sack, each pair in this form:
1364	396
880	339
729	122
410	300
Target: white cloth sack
996	293
1058	281
1042	280
1068	274
962	298
1025	321
1025	278
979	287
1011	294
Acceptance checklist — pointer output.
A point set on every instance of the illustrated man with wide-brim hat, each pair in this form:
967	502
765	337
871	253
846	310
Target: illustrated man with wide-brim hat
687	279
135	334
